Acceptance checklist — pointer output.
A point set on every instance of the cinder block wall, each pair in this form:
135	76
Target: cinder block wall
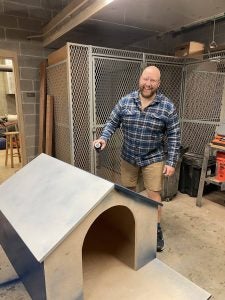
23	18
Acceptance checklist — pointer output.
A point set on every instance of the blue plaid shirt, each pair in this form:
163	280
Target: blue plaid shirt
144	131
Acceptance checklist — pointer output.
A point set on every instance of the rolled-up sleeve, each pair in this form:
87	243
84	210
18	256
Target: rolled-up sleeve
173	139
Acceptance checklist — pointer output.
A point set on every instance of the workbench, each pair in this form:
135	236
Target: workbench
210	150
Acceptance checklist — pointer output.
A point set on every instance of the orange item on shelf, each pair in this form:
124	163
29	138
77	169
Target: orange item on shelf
219	140
220	166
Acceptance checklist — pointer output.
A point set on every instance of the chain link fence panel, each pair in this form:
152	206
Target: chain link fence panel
98	77
114	78
81	105
57	84
202	102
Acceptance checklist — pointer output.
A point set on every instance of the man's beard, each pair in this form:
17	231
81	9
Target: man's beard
147	93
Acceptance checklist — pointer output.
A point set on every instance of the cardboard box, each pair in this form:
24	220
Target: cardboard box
190	49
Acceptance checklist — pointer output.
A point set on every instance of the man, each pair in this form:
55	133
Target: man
146	116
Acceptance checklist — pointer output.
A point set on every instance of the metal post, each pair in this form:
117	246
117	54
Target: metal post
199	199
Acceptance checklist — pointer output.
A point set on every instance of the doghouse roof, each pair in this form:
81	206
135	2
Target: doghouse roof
48	198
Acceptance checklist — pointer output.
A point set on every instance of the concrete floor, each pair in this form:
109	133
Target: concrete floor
194	240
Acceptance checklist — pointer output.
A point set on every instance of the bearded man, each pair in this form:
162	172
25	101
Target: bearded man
146	116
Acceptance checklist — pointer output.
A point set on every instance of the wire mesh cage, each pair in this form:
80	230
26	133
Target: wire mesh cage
58	86
80	94
171	81
196	135
114	78
203	99
95	78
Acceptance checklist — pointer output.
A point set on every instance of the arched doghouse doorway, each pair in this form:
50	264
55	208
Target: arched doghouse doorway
110	238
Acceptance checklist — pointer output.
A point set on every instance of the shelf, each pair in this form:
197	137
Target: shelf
217	147
6	68
213	180
209	150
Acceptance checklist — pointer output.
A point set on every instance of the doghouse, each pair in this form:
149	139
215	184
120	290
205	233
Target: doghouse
56	220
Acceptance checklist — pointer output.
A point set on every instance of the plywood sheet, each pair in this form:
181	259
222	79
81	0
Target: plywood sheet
42	108
49	125
107	277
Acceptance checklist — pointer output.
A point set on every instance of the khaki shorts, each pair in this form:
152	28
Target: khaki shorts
152	175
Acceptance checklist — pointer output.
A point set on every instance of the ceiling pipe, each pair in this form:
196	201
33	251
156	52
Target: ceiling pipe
194	25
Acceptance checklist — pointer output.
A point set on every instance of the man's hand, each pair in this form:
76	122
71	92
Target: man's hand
168	170
100	141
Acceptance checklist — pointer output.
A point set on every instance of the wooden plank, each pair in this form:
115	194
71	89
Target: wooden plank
63	14
57	56
49	125
64	25
42	107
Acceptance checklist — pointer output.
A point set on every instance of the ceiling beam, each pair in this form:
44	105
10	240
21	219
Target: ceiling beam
71	16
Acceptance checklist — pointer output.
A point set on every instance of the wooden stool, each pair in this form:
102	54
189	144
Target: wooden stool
12	136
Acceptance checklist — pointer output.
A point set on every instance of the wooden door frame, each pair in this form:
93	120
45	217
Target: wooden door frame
7	54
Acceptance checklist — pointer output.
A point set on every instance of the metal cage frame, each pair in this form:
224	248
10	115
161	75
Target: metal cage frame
92	79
